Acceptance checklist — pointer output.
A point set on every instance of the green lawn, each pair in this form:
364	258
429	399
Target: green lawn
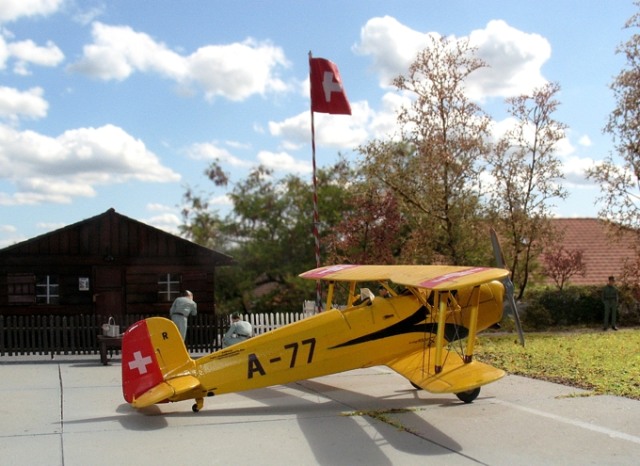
604	362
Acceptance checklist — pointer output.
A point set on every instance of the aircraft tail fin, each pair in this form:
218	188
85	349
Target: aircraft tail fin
154	360
456	376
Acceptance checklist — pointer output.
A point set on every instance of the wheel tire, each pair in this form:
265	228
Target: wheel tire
469	395
195	408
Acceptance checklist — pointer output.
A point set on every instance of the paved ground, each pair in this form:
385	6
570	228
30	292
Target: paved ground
70	411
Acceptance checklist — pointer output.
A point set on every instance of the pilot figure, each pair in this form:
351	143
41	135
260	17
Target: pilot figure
239	330
183	307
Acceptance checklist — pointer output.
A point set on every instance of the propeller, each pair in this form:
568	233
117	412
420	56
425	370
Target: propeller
508	285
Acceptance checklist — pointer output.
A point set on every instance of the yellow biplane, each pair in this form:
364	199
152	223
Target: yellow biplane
425	329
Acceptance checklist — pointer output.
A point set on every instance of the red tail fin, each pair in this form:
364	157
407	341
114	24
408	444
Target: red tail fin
140	368
152	353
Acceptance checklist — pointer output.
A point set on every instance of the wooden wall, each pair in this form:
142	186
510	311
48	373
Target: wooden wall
121	257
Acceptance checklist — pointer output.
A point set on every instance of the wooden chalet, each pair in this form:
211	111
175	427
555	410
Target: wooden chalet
107	265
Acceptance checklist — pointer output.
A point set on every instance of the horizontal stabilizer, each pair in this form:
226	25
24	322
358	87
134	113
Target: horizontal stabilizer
455	376
166	390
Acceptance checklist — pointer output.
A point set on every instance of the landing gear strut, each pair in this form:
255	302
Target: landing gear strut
197	406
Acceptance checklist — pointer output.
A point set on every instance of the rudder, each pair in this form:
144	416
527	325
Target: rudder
152	352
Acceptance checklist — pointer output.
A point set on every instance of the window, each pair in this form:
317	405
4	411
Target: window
169	286
47	289
21	288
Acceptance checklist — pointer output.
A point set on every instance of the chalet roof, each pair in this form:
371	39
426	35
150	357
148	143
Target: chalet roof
603	253
111	233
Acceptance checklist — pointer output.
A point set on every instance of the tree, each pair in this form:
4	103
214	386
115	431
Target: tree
268	233
199	223
433	171
526	174
370	233
620	183
561	264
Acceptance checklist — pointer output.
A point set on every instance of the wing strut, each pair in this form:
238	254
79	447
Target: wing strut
441	305
473	324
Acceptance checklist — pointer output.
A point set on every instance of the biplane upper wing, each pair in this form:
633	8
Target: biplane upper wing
456	376
435	277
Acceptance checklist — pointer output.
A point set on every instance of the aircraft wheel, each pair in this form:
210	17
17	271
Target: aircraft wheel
417	387
195	408
469	395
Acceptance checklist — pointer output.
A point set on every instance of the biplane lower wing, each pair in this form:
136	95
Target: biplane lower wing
456	376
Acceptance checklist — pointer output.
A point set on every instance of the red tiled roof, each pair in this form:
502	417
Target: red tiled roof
603	253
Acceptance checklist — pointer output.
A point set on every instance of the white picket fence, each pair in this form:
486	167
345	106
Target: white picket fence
263	323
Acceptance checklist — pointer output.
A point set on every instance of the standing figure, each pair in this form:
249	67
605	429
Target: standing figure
183	307
239	330
610	300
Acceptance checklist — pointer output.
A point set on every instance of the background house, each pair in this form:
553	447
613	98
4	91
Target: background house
106	265
603	253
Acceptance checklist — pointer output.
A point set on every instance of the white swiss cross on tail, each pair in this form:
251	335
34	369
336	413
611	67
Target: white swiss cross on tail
140	363
327	93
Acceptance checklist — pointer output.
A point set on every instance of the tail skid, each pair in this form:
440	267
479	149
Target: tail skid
156	366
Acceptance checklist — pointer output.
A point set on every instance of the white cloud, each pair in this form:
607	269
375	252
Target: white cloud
575	169
585	141
168	222
384	122
47	169
221	201
119	51
281	161
50	226
392	45
27	51
15	104
237	71
11	10
233	71
338	131
515	58
88	15
238	144
212	151
155	207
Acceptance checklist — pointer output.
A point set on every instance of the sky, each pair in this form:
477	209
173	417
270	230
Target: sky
124	103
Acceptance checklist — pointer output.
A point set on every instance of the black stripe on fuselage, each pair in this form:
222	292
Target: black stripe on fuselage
415	323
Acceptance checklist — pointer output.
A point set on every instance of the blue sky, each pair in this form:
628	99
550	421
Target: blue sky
124	103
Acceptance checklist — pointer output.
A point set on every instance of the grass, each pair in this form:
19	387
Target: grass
604	362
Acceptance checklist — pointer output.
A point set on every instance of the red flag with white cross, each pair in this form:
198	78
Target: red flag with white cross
327	92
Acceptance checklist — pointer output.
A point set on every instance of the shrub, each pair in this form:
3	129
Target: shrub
574	305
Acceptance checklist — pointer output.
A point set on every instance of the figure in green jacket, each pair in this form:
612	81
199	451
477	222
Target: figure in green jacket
610	300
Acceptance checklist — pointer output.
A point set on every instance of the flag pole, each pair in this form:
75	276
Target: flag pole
316	215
